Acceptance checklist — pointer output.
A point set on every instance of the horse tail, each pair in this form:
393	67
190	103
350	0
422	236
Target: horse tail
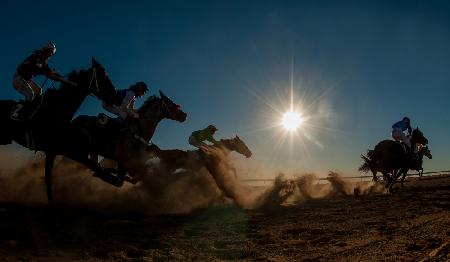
368	162
370	154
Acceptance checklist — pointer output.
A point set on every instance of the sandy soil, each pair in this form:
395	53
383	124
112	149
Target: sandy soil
409	225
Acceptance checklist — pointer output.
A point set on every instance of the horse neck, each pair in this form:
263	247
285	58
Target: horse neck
71	100
227	144
413	139
146	125
60	104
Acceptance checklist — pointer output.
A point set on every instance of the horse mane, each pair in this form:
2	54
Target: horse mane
73	76
225	142
147	103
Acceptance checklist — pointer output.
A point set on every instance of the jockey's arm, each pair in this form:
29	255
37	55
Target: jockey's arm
127	105
211	139
55	76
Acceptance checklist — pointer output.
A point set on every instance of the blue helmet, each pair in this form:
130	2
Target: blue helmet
406	119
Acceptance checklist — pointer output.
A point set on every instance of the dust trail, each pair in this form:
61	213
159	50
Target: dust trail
163	192
307	186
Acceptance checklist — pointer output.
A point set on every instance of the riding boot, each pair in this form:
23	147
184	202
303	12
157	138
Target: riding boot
109	178
29	139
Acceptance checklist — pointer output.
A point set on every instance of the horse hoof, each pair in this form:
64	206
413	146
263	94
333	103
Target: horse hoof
131	180
118	182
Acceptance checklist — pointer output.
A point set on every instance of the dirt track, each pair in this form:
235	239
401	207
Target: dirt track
410	225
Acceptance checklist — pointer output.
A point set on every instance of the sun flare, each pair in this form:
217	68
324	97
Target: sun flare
292	121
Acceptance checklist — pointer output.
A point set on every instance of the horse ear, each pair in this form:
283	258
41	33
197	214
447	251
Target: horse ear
163	95
94	62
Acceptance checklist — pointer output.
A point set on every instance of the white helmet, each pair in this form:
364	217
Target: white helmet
50	46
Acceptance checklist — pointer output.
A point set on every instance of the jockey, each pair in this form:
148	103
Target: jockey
398	132
35	64
124	105
197	137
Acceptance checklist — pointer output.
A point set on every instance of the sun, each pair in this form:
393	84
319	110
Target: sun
292	120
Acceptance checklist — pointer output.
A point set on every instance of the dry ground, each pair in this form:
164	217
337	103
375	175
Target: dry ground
409	225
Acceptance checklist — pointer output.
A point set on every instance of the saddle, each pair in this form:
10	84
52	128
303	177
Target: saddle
404	146
23	111
111	126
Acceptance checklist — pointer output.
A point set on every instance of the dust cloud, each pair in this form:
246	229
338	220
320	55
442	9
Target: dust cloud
161	191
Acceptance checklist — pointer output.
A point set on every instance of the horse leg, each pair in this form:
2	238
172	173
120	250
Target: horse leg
405	172
386	178
98	170
395	176
49	161
375	178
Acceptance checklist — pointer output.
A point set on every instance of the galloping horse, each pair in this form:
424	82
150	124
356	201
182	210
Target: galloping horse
128	147
212	158
174	159
390	157
47	127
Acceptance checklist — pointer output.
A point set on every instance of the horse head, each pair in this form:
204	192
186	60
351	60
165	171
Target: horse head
161	108
236	144
418	137
170	110
93	81
425	151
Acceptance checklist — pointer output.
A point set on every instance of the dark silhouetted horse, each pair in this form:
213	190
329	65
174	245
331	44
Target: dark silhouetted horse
45	127
391	157
194	160
128	147
213	158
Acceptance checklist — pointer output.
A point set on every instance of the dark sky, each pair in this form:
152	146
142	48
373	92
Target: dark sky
355	68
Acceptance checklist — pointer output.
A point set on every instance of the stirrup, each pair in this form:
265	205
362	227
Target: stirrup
102	119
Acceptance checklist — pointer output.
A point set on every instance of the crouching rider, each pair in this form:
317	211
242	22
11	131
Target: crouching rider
198	137
398	134
124	102
35	64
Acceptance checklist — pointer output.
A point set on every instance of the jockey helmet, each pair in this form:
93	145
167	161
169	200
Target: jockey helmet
139	85
212	128
50	47
406	119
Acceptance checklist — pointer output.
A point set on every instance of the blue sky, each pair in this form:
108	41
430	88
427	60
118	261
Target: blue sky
355	68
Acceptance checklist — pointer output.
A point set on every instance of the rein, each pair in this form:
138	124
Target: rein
94	77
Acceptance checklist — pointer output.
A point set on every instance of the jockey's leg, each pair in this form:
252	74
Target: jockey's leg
115	110
37	90
23	87
405	140
193	141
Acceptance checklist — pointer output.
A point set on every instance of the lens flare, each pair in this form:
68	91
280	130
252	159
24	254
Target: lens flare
292	121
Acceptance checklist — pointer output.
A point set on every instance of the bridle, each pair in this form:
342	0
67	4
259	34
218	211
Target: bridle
95	80
162	106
